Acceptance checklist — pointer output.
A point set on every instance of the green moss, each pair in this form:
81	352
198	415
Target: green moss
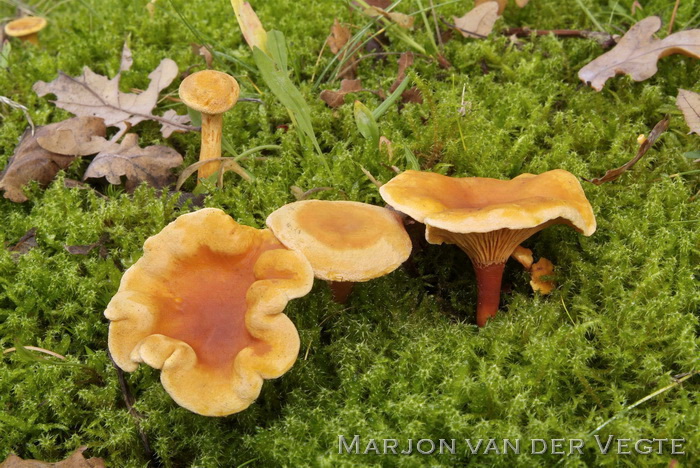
403	359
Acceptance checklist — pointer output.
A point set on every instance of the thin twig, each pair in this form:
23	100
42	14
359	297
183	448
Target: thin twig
37	349
673	16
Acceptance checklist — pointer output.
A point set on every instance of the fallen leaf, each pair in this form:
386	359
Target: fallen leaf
95	95
340	35
689	103
501	4
86	249
538	271
76	460
637	53
411	95
523	256
336	99
253	31
383	4
478	23
402	20
151	164
25	243
32	161
521	3
203	52
613	174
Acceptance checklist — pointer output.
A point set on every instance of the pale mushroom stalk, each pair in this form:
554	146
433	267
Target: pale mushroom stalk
211	93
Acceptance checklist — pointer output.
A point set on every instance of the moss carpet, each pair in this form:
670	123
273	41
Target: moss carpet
403	359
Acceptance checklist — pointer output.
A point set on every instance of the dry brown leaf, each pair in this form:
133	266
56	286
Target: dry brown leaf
402	20
336	99
689	103
521	3
340	35
95	95
613	174
151	164
383	4
478	23
538	271
411	95
501	4
76	460
638	51
25	243
86	249
32	161
203	52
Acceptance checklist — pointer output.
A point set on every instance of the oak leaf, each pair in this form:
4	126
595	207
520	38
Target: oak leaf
51	148
689	103
501	4
76	460
637	53
478	23
94	95
151	164
339	36
336	99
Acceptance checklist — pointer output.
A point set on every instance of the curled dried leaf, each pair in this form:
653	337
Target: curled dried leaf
150	165
76	460
32	161
637	53
340	35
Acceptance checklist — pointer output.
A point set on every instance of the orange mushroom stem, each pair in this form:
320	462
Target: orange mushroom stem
341	290
488	283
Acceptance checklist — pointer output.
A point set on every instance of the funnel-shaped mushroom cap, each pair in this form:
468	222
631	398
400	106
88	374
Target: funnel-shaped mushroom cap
209	91
343	241
476	204
25	26
204	304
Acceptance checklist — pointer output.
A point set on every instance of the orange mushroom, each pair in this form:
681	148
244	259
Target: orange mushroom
345	242
489	218
211	93
204	304
26	28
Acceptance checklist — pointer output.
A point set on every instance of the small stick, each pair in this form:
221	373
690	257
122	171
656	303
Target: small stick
673	16
34	348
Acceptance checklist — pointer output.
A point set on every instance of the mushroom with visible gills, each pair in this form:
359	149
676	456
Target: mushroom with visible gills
26	29
205	305
489	218
345	242
211	93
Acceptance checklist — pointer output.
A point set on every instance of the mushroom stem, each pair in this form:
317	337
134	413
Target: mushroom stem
31	38
212	125
488	280
341	290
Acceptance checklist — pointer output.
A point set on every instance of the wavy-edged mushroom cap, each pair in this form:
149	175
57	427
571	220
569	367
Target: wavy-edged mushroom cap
209	91
25	26
204	304
344	241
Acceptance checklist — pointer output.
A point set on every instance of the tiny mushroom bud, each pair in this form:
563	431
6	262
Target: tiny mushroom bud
345	242
204	304
26	28
489	218
539	270
212	93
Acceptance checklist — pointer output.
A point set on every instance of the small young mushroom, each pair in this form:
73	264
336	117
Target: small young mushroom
489	218
204	304
26	28
345	242
212	93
